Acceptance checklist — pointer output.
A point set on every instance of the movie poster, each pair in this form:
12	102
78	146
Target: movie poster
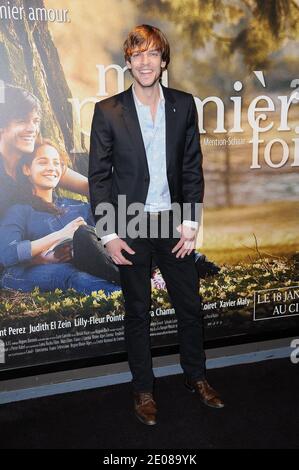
57	59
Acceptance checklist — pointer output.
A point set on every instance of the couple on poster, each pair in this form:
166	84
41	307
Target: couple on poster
38	229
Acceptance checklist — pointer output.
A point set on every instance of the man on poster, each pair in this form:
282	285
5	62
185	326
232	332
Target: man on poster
145	146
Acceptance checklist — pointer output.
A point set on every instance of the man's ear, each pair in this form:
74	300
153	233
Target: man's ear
26	170
128	64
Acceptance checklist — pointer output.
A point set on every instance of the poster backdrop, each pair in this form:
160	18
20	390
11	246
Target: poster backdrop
240	61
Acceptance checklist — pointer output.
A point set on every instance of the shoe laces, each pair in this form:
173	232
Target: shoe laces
146	398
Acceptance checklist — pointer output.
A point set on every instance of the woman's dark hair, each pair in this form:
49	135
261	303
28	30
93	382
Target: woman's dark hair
16	103
25	188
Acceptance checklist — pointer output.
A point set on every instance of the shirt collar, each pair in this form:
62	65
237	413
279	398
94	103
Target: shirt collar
138	102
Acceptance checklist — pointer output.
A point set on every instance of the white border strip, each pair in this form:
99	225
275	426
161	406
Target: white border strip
278	316
124	377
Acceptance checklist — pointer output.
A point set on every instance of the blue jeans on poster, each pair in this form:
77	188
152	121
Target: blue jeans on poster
53	276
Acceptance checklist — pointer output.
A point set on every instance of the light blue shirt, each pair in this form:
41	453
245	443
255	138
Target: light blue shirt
154	139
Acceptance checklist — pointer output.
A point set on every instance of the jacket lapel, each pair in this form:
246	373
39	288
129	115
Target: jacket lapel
131	120
171	115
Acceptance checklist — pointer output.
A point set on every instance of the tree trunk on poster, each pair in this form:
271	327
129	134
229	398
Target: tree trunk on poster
29	58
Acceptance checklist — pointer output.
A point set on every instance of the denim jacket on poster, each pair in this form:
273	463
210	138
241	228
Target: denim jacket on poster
22	224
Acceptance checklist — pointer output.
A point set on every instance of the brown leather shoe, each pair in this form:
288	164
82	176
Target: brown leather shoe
145	408
206	393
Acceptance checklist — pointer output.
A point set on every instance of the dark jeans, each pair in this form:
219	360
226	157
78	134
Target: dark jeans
182	284
90	256
49	277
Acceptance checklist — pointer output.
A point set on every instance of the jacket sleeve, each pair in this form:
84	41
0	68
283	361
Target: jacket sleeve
193	179
100	170
14	248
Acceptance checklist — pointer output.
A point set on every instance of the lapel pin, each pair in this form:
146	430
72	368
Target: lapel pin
174	110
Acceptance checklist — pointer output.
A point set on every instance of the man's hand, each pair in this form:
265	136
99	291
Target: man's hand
114	248
186	244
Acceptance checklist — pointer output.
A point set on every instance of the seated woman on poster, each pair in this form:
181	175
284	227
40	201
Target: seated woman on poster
40	226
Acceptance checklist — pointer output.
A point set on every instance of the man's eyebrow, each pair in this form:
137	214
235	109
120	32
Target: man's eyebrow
145	50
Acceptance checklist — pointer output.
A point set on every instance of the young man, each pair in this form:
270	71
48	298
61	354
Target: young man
145	146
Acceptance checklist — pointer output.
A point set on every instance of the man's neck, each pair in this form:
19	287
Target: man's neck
148	96
10	159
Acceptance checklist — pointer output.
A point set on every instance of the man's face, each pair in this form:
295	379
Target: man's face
20	134
146	65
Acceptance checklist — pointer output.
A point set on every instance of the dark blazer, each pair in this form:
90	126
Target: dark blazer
118	163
